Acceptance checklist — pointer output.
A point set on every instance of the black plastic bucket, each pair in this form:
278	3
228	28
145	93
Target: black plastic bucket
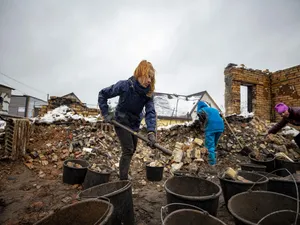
266	174
233	187
278	185
292	167
286	187
72	175
193	191
269	163
154	173
282	217
191	217
88	212
120	195
252	167
248	208
93	178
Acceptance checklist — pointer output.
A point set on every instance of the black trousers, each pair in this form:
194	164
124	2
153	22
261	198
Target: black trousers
128	144
297	140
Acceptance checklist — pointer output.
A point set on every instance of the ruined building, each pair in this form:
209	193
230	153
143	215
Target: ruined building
264	89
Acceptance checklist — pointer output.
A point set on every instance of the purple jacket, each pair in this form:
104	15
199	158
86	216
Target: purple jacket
294	118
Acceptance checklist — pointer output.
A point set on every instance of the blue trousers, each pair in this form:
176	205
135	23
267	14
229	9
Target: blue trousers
211	141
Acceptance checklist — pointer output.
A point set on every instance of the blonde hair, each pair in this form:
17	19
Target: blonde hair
142	70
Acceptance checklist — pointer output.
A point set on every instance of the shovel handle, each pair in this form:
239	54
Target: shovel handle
232	131
164	150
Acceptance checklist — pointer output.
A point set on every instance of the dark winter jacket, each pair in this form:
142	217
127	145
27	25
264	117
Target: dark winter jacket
294	118
210	117
133	98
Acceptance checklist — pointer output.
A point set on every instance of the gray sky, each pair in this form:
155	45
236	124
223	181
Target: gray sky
77	46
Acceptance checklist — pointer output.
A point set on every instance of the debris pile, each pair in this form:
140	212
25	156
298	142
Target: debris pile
100	168
74	165
51	145
233	175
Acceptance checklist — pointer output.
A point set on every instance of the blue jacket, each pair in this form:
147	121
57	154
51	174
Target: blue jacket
212	117
133	98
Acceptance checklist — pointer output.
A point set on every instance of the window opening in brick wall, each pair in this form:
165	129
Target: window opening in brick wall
246	99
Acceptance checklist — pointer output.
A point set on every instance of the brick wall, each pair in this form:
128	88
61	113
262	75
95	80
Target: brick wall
260	83
285	88
268	89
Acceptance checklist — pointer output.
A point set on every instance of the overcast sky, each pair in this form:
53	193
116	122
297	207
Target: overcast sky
63	46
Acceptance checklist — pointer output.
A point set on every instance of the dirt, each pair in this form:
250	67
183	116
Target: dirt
26	198
32	191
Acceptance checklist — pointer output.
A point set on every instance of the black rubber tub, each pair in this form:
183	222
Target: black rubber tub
72	175
282	217
193	191
278	185
248	208
120	195
286	187
93	178
252	167
232	187
99	213
292	167
269	162
191	217
154	173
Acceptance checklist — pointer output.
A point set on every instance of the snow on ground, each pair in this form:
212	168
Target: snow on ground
287	130
246	114
2	124
63	113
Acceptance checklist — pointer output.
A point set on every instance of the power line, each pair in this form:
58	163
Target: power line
22	83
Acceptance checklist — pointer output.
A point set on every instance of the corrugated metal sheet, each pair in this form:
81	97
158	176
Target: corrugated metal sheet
32	104
17	106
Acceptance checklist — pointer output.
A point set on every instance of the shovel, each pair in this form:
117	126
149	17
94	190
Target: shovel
164	150
245	150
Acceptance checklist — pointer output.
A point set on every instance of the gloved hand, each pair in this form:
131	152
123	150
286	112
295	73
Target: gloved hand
108	118
152	139
268	136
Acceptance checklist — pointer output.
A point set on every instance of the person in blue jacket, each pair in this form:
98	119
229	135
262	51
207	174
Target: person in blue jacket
135	94
214	127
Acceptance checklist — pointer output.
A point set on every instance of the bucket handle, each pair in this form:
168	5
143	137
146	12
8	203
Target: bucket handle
164	210
103	198
296	186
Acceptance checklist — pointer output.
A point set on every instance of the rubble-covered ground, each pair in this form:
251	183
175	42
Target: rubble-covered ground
33	188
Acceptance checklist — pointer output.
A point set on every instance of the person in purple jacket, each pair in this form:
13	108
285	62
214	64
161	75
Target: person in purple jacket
289	115
135	94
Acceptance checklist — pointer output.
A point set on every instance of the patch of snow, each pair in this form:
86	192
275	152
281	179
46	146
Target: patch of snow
2	124
62	113
91	119
246	114
287	130
76	117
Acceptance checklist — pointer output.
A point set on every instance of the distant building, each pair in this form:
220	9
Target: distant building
5	98
25	106
173	108
72	101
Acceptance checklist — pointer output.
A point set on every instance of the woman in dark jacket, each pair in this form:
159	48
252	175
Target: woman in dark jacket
289	115
134	94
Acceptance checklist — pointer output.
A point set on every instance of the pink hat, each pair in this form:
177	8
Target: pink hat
281	107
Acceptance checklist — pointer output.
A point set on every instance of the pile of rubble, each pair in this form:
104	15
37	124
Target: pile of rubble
53	144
